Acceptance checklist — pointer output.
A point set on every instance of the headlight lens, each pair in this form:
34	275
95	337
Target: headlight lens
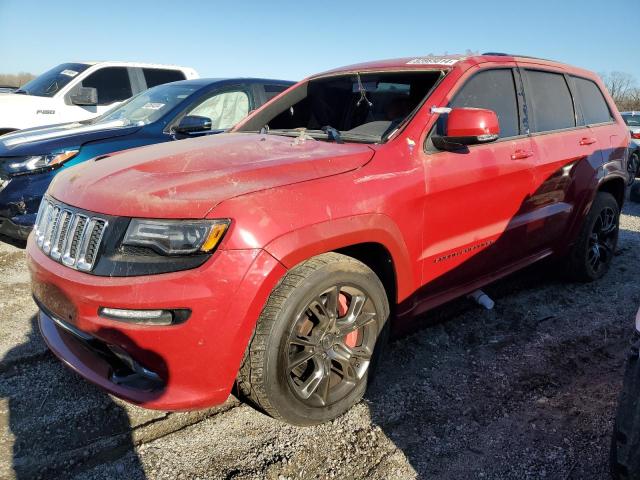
176	237
18	165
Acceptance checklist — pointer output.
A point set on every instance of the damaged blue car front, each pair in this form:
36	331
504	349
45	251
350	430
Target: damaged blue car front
29	159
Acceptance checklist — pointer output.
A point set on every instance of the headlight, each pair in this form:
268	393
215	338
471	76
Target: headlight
176	237
20	165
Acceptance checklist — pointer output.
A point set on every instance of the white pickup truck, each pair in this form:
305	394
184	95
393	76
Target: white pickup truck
77	91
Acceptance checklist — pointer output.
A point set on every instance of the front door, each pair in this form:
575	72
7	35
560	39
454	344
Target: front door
477	201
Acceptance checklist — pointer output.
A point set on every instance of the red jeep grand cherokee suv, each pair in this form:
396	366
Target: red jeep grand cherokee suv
272	257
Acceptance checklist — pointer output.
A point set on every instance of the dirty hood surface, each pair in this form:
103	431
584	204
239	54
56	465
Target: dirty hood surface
185	179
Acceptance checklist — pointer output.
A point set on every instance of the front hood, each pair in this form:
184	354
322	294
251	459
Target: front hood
185	179
10	99
18	110
41	140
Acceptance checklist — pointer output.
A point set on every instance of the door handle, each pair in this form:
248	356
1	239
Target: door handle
521	154
587	141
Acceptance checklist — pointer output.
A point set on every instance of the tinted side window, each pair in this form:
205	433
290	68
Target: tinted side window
112	84
271	91
550	100
158	76
494	90
594	106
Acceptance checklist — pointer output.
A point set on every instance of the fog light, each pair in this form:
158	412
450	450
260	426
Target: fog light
638	321
145	317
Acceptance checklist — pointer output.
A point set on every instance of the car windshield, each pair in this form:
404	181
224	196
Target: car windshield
148	106
52	81
365	107
632	120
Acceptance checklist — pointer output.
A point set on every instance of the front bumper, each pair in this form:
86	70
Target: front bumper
16	231
19	202
195	362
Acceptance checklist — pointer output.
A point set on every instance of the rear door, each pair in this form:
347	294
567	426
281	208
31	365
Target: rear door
477	200
566	153
594	112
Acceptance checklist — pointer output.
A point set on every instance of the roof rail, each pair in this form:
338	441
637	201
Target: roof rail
502	54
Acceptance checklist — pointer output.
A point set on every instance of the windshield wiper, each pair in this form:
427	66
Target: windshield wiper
21	91
332	133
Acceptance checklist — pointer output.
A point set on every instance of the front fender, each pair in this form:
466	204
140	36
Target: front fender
296	246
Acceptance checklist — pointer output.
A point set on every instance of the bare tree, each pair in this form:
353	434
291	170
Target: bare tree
15	80
623	90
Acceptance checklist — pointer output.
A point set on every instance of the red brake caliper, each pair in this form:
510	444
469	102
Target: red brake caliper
351	338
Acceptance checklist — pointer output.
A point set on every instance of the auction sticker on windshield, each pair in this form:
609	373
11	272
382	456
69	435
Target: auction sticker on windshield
153	106
69	73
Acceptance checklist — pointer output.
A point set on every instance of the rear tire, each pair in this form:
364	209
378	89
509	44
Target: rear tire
317	341
625	442
593	251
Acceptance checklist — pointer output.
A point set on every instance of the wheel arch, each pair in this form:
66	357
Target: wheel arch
373	239
615	185
378	258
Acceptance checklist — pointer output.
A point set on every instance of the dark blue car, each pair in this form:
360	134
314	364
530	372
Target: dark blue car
29	159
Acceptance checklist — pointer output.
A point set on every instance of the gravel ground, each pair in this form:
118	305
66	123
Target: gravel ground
526	390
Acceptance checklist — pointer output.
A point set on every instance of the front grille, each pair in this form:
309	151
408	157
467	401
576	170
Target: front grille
69	236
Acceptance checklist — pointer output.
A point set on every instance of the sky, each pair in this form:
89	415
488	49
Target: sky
292	39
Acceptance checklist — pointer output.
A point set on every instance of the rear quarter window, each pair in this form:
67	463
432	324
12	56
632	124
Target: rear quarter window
594	106
158	76
549	100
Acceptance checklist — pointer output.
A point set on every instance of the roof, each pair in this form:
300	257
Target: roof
134	64
440	62
202	82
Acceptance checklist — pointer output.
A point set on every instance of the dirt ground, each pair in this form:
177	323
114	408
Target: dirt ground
526	390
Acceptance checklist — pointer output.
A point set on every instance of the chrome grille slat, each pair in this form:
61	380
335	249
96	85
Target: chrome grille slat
63	231
52	230
69	236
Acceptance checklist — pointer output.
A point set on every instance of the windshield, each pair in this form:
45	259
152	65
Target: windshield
632	120
364	107
52	81
148	106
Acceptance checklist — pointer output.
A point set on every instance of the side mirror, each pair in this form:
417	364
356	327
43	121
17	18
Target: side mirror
468	126
193	124
85	96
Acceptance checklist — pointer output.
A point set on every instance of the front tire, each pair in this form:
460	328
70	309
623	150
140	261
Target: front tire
591	255
317	341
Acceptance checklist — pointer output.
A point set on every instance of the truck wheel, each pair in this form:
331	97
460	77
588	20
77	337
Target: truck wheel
632	167
317	341
591	255
625	443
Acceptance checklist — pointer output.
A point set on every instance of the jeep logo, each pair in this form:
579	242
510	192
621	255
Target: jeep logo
45	112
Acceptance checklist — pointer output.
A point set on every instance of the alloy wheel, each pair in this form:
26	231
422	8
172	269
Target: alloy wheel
602	239
330	347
